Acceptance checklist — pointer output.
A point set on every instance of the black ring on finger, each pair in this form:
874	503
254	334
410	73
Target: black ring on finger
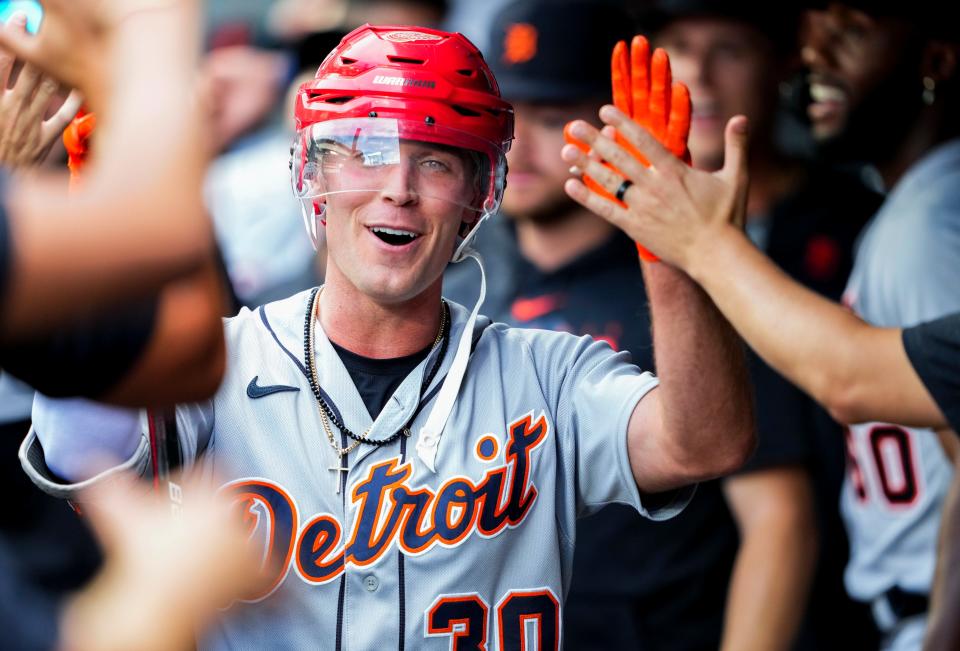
622	190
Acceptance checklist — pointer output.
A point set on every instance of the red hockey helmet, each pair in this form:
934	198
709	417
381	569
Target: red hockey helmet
383	86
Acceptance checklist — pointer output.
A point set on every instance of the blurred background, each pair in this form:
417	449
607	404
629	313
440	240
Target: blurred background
258	52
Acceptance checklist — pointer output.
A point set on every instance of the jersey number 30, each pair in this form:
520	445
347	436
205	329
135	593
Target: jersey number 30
522	616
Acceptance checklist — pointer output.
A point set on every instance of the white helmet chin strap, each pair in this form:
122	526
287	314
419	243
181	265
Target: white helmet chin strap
463	249
429	441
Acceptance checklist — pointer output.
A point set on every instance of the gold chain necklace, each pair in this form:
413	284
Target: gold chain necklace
341	468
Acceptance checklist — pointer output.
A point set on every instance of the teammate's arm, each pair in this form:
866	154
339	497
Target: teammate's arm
699	422
943	626
774	512
154	352
164	578
185	357
26	96
138	221
858	372
934	351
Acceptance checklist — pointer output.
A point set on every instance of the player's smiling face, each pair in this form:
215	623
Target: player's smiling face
392	243
852	58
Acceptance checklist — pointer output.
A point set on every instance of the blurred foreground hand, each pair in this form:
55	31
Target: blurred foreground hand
166	572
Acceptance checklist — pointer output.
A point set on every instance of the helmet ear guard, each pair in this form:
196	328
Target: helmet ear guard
314	213
320	211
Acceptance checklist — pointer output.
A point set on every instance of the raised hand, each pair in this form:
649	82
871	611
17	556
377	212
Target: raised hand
165	575
643	89
671	207
78	39
76	140
26	135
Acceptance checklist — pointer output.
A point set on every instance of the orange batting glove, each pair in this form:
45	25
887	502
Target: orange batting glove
76	140
643	88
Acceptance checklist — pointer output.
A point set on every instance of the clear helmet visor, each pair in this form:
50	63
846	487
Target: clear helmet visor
403	159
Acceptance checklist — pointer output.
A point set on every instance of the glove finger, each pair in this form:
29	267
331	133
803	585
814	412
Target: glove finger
660	82
678	126
86	123
640	78
645	255
620	78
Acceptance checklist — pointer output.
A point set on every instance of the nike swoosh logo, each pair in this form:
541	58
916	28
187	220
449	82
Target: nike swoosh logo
525	310
254	390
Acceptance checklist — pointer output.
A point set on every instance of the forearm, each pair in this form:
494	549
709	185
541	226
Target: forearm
770	581
138	219
185	358
150	353
857	371
943	626
706	404
774	565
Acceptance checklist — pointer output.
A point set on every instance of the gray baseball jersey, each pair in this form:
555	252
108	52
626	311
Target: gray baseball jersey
907	271
385	553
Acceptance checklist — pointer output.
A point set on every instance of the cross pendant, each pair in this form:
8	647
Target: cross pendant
340	468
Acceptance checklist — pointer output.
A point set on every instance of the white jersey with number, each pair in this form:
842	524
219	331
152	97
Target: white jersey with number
388	554
907	271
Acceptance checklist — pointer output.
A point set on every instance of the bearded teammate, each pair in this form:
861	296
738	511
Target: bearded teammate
415	470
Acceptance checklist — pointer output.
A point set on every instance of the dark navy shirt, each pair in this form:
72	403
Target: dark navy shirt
934	351
377	379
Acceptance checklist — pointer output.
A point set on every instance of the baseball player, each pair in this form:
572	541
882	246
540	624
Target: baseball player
414	470
905	272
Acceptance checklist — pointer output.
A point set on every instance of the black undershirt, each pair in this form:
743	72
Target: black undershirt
377	379
934	351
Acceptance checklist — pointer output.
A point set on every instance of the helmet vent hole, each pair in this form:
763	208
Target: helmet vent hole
463	110
343	99
396	59
347	61
467	72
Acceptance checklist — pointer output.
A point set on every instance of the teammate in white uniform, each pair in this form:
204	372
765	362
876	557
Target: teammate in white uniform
436	509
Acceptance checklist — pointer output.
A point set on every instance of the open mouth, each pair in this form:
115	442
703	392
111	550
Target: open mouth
823	93
827	105
393	236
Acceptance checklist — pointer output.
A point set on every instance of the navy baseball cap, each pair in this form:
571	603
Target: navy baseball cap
557	50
